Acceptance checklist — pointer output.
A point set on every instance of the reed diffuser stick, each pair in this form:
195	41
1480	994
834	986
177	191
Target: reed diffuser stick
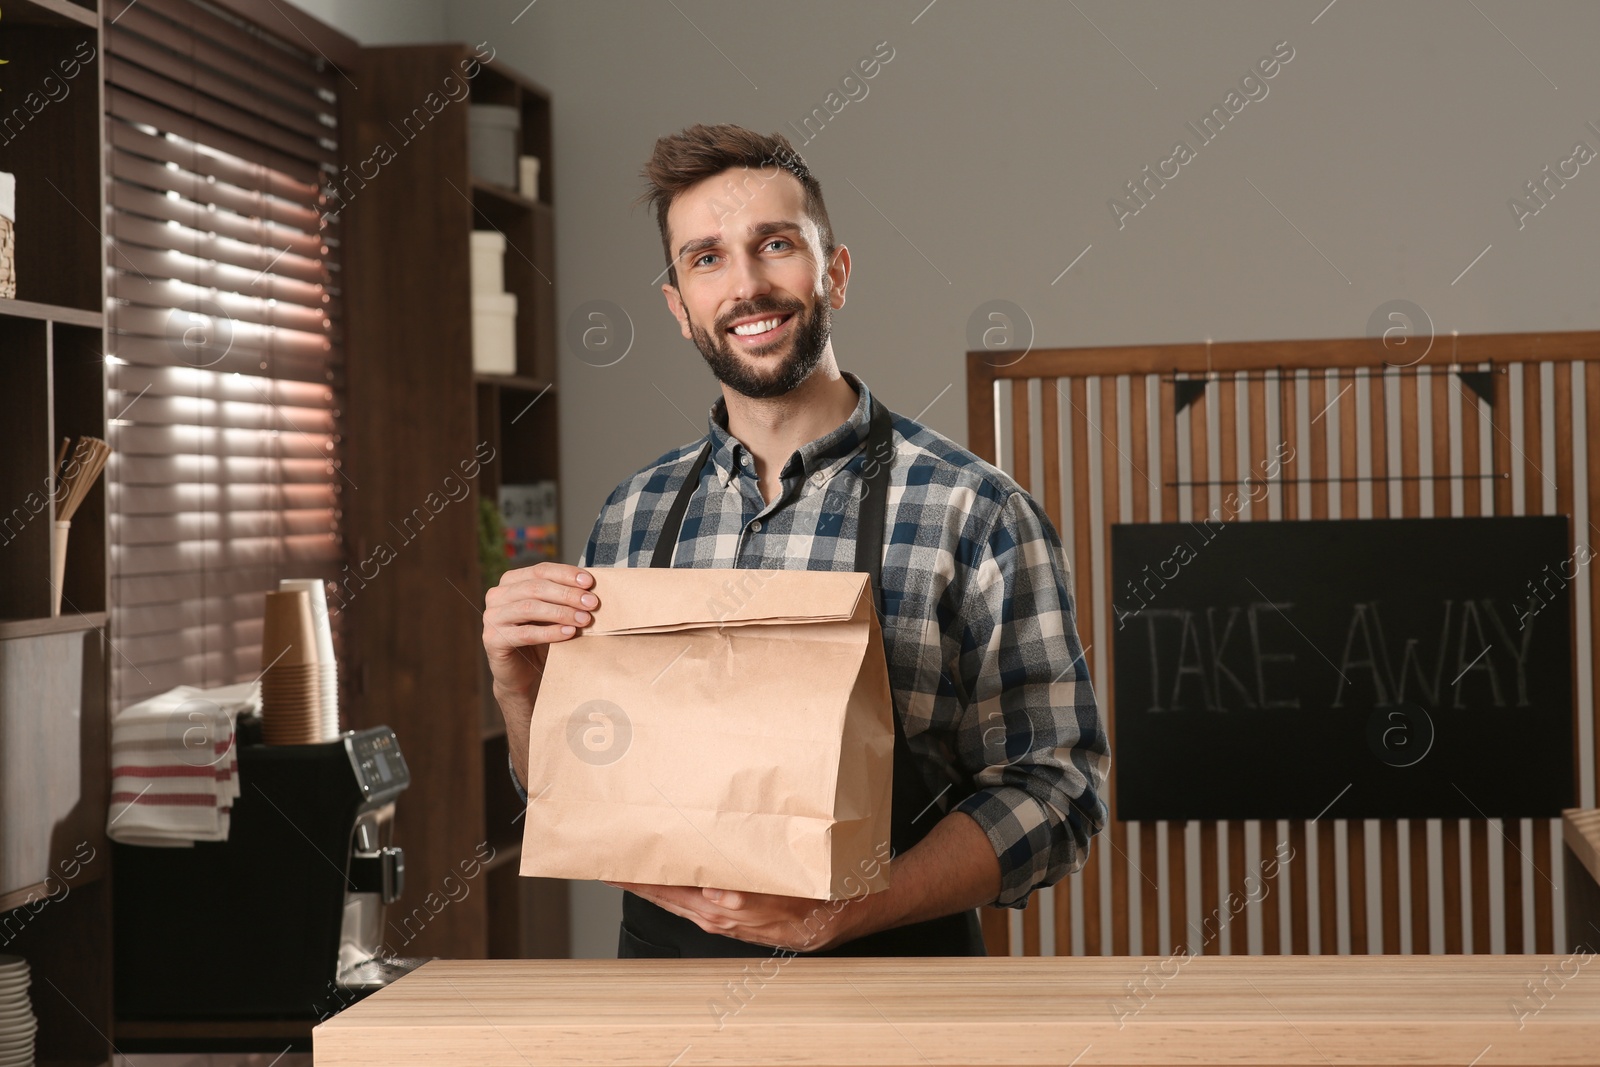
88	460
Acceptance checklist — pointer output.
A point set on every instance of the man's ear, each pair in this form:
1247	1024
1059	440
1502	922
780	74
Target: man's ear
679	312
838	276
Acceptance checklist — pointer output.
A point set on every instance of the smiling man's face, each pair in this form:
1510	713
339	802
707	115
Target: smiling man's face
752	293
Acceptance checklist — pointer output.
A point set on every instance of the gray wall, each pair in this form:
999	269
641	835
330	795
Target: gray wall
980	163
382	21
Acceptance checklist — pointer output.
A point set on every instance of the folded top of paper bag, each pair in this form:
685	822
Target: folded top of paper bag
637	600
8	196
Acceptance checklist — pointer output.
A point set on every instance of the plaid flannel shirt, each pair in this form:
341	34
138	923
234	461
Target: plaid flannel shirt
978	616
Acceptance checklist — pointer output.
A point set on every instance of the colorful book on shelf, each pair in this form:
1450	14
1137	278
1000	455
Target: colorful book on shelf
530	518
526	545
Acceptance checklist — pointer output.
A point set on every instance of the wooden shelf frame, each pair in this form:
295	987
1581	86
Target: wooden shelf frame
28	309
52	13
63	624
410	377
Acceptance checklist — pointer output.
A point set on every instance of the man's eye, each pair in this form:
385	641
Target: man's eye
777	241
703	258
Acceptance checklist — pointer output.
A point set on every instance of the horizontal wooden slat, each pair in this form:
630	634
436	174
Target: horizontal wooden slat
299	305
140	338
291	81
226	444
156	618
171	499
220	470
131	107
189	411
188	381
193	585
299	366
241	636
204	525
272	222
184	101
136	170
133	560
1268	355
272	273
287	54
296	111
155	321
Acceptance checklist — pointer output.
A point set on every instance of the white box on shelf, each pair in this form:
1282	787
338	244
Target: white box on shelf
528	177
494	333
488	261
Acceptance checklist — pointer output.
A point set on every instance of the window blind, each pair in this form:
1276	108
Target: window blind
224	341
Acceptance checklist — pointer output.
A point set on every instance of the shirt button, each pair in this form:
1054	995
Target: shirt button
756	526
744	459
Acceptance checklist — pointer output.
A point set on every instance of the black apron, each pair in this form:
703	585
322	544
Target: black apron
649	930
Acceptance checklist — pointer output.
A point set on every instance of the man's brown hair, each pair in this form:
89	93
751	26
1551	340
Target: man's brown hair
698	152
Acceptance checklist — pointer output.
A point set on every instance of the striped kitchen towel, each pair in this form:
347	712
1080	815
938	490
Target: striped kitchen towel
174	765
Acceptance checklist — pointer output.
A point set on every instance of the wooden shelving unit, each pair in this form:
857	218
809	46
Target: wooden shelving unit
54	899
416	412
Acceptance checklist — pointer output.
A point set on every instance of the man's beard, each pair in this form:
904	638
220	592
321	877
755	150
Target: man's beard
809	337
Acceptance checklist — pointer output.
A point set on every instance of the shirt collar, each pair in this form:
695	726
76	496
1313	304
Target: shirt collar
817	459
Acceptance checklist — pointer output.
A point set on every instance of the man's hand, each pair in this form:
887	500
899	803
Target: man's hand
531	609
952	869
796	923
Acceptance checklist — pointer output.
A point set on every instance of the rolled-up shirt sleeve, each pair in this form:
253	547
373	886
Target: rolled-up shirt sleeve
1032	735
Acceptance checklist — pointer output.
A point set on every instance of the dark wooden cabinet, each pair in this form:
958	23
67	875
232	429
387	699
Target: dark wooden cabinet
426	438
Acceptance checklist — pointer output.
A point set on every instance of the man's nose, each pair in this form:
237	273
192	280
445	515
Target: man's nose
748	277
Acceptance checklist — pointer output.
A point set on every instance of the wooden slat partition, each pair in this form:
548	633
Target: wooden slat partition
1332	431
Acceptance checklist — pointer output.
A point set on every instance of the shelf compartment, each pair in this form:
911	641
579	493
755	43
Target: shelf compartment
25	477
529	274
54	151
78	369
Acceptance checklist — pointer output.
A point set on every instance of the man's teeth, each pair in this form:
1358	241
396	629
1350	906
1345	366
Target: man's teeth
758	327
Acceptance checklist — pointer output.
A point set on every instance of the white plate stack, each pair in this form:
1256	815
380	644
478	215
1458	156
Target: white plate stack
17	1022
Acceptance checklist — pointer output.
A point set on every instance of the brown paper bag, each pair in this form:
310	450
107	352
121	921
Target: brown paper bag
723	728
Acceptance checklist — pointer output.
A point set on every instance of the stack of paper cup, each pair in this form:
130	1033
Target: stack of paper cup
291	682
328	666
18	1024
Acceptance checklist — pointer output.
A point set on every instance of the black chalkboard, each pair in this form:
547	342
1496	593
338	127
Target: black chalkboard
1373	668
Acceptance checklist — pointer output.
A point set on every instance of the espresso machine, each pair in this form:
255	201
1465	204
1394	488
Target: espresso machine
284	919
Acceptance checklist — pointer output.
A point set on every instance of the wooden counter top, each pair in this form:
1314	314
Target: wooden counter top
1328	1010
1580	829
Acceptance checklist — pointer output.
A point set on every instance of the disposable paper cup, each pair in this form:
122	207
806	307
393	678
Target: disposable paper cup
327	664
288	631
